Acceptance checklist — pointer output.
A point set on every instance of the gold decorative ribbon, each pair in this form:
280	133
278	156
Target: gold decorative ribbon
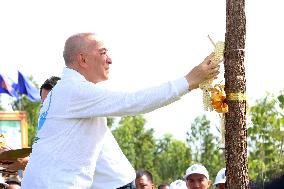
236	96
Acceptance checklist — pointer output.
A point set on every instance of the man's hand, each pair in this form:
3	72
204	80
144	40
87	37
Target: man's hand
204	71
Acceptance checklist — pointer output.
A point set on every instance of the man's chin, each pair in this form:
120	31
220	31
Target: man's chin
105	78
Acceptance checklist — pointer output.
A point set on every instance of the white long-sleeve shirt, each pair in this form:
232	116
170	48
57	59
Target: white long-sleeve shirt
75	148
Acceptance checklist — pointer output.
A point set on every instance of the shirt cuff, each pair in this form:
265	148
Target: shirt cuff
182	86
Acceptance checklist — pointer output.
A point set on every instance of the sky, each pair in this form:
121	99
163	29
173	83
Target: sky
149	41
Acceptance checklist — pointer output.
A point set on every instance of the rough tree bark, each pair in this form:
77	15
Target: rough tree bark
235	88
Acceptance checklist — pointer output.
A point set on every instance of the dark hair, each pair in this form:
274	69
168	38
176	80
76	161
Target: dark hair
13	182
162	185
276	183
254	185
49	83
141	173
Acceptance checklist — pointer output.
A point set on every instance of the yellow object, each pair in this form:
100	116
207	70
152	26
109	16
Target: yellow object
236	96
218	97
218	51
214	97
206	86
222	129
2	140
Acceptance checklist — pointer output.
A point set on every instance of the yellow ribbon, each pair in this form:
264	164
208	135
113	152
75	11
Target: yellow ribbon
236	96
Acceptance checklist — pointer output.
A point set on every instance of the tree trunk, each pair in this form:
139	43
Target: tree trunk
235	88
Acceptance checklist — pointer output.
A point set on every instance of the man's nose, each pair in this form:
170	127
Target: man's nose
109	61
196	184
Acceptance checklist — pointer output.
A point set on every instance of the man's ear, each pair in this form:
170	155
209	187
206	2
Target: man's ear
186	182
81	59
209	183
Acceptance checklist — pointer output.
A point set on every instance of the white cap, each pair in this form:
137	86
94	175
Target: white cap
196	169
221	177
178	184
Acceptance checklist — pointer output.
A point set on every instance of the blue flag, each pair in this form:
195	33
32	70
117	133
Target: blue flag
8	87
26	87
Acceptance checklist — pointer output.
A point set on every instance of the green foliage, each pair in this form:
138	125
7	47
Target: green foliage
281	100
110	121
172	159
204	146
266	158
137	143
32	110
167	159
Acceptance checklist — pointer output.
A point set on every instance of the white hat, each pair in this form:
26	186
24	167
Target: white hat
178	184
196	169
221	177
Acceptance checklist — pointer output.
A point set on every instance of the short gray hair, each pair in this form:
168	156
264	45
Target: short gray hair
75	44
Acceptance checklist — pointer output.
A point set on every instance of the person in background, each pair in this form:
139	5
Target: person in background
47	86
254	185
220	180
197	177
144	180
277	183
178	184
3	184
13	184
73	137
164	186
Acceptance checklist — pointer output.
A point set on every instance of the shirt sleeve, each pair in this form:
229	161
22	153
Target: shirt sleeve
89	100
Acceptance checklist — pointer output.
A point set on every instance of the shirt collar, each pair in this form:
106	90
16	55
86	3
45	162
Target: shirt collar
70	73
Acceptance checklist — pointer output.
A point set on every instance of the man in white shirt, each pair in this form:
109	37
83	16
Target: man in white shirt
75	148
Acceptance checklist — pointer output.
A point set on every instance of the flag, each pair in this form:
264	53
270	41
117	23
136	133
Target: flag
8	86
24	86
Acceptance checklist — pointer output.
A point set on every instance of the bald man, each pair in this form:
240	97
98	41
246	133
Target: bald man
76	149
